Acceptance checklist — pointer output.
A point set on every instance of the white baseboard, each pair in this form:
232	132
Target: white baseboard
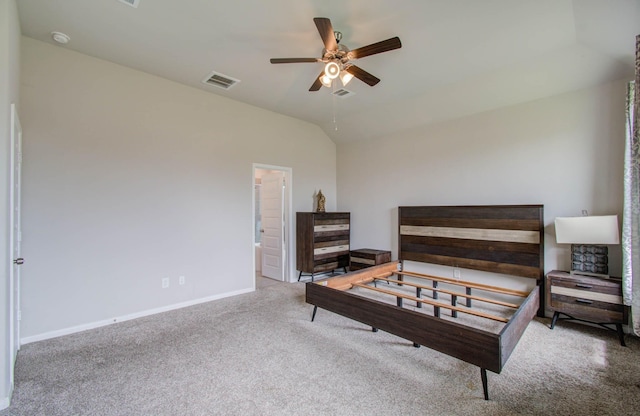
98	324
6	401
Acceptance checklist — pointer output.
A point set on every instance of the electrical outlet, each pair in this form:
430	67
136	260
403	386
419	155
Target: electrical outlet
181	280
165	282
456	273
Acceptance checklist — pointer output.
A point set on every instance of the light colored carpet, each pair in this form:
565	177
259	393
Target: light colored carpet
259	354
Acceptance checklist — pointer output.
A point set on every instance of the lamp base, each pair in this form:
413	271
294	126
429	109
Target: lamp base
590	260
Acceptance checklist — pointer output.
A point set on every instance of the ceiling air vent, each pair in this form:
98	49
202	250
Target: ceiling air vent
132	3
220	80
342	93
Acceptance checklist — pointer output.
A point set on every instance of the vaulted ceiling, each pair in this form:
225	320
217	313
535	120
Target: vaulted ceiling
458	57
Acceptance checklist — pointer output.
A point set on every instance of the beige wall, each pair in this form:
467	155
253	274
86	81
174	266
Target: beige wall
565	152
130	178
9	93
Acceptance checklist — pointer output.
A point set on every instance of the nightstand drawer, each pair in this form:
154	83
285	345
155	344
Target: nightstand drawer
585	296
588	309
592	290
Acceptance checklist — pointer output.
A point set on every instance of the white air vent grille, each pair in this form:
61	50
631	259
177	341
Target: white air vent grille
220	80
132	3
342	93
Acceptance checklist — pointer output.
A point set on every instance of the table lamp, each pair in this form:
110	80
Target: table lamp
588	236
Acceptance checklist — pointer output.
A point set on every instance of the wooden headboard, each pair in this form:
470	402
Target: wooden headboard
507	239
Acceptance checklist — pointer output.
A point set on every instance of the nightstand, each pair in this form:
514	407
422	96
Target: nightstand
367	257
585	298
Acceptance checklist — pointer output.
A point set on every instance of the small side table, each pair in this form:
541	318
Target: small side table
588	299
367	257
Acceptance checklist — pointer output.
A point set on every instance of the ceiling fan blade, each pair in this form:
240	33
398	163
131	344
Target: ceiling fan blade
362	75
293	60
326	33
317	84
374	48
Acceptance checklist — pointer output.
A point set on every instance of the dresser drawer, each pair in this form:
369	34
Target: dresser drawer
330	263
330	227
330	250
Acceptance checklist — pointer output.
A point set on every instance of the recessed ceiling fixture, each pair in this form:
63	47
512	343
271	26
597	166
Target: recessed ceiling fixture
60	37
132	3
220	80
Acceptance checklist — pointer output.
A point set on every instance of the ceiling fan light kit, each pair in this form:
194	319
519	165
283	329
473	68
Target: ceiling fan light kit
337	58
326	81
345	77
332	70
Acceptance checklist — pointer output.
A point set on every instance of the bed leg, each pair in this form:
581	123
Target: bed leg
313	314
620	334
485	388
399	302
469	299
418	294
454	300
435	292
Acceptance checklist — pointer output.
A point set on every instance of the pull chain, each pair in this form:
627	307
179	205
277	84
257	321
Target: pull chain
335	122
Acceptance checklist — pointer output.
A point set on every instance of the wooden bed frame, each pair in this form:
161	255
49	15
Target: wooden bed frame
506	239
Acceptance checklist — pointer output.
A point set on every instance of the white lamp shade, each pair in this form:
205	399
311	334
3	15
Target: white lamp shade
595	229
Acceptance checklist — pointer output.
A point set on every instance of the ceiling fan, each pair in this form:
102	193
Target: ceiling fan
337	58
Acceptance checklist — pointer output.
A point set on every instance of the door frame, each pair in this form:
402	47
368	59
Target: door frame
288	218
14	281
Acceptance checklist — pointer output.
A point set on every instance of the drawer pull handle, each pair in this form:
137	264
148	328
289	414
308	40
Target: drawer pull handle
583	286
585	301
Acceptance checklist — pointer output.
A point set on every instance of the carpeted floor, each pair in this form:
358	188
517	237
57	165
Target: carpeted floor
259	354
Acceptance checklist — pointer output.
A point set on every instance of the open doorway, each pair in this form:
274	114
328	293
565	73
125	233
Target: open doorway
272	234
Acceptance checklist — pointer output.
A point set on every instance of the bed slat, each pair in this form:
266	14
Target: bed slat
449	292
433	303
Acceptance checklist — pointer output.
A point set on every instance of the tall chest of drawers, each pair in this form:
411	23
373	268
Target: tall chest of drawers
322	241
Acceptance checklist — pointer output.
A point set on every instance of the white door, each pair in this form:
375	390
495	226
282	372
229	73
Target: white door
272	241
15	237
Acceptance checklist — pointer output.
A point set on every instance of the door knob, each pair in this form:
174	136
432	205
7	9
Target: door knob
18	261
